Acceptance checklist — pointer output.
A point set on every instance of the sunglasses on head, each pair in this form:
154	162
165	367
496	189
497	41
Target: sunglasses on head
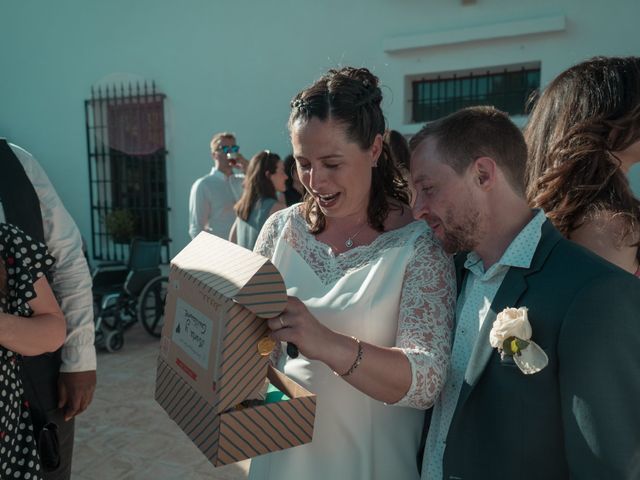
229	149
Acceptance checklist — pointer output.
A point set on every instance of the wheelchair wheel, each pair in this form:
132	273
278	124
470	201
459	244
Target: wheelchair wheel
107	314
99	338
151	305
113	341
110	320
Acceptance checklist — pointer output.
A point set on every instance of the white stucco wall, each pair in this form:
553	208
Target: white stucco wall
235	64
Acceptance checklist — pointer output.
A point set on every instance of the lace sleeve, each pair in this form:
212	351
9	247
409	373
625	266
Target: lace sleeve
427	309
266	242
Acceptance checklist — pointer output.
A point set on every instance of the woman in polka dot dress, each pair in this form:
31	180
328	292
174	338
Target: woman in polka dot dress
31	323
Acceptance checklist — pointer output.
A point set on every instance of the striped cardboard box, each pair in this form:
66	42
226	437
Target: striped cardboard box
219	295
229	437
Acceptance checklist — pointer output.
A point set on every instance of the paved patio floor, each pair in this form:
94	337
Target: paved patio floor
125	434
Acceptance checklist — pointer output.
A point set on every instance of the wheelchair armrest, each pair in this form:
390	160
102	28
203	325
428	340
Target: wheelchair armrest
109	300
107	275
114	264
110	262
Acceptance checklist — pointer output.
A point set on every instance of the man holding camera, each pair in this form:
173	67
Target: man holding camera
214	195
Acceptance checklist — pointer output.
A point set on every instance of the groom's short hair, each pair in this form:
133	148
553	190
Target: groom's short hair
473	132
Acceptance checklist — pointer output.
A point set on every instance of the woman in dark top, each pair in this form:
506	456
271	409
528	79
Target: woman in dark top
31	323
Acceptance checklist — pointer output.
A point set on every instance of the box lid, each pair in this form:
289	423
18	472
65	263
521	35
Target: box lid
235	272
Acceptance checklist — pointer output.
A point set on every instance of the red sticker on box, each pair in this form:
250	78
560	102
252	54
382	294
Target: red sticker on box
186	369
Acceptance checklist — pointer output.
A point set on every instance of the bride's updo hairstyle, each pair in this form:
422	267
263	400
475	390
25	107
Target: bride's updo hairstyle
351	97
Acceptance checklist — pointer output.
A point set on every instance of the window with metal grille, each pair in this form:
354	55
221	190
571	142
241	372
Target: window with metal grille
127	168
508	90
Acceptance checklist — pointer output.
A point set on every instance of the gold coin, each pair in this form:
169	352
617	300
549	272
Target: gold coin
266	346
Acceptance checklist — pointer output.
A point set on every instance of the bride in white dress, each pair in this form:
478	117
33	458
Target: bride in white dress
371	292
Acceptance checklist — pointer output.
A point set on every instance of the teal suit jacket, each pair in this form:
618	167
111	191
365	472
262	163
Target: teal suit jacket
580	416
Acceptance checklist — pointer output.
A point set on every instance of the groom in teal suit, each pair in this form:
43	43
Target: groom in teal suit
578	416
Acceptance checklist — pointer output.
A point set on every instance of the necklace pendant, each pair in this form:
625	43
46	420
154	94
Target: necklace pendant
348	243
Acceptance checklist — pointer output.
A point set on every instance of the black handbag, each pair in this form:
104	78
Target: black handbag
49	447
46	434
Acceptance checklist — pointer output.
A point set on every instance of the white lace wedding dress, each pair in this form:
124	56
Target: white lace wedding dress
397	291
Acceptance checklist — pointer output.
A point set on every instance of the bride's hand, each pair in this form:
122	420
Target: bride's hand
296	325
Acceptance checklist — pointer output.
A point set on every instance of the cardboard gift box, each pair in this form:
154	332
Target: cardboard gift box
218	298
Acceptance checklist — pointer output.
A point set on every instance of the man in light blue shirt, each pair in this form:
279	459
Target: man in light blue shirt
574	418
474	305
213	196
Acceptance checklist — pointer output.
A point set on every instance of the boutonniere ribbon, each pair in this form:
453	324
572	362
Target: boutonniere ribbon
511	335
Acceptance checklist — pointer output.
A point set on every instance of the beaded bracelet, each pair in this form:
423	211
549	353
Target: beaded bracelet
356	363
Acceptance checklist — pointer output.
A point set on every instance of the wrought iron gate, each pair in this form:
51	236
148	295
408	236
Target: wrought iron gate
127	168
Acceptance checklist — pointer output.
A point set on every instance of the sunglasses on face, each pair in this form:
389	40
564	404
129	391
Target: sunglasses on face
229	149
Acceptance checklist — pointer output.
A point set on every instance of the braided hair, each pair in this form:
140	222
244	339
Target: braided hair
352	97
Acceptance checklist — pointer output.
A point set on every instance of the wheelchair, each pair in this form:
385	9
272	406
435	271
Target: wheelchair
124	294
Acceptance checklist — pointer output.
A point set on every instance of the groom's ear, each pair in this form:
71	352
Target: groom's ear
484	172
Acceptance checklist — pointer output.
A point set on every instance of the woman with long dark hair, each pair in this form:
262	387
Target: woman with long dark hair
371	291
264	179
583	136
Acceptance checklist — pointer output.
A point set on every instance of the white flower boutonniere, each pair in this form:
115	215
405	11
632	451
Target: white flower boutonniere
511	335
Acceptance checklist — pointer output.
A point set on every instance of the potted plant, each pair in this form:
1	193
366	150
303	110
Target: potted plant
121	225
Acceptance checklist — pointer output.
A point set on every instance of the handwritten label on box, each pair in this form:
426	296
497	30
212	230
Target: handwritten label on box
193	331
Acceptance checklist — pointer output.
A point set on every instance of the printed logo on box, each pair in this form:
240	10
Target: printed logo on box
193	332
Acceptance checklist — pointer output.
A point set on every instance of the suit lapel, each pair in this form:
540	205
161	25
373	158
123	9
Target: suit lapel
511	290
